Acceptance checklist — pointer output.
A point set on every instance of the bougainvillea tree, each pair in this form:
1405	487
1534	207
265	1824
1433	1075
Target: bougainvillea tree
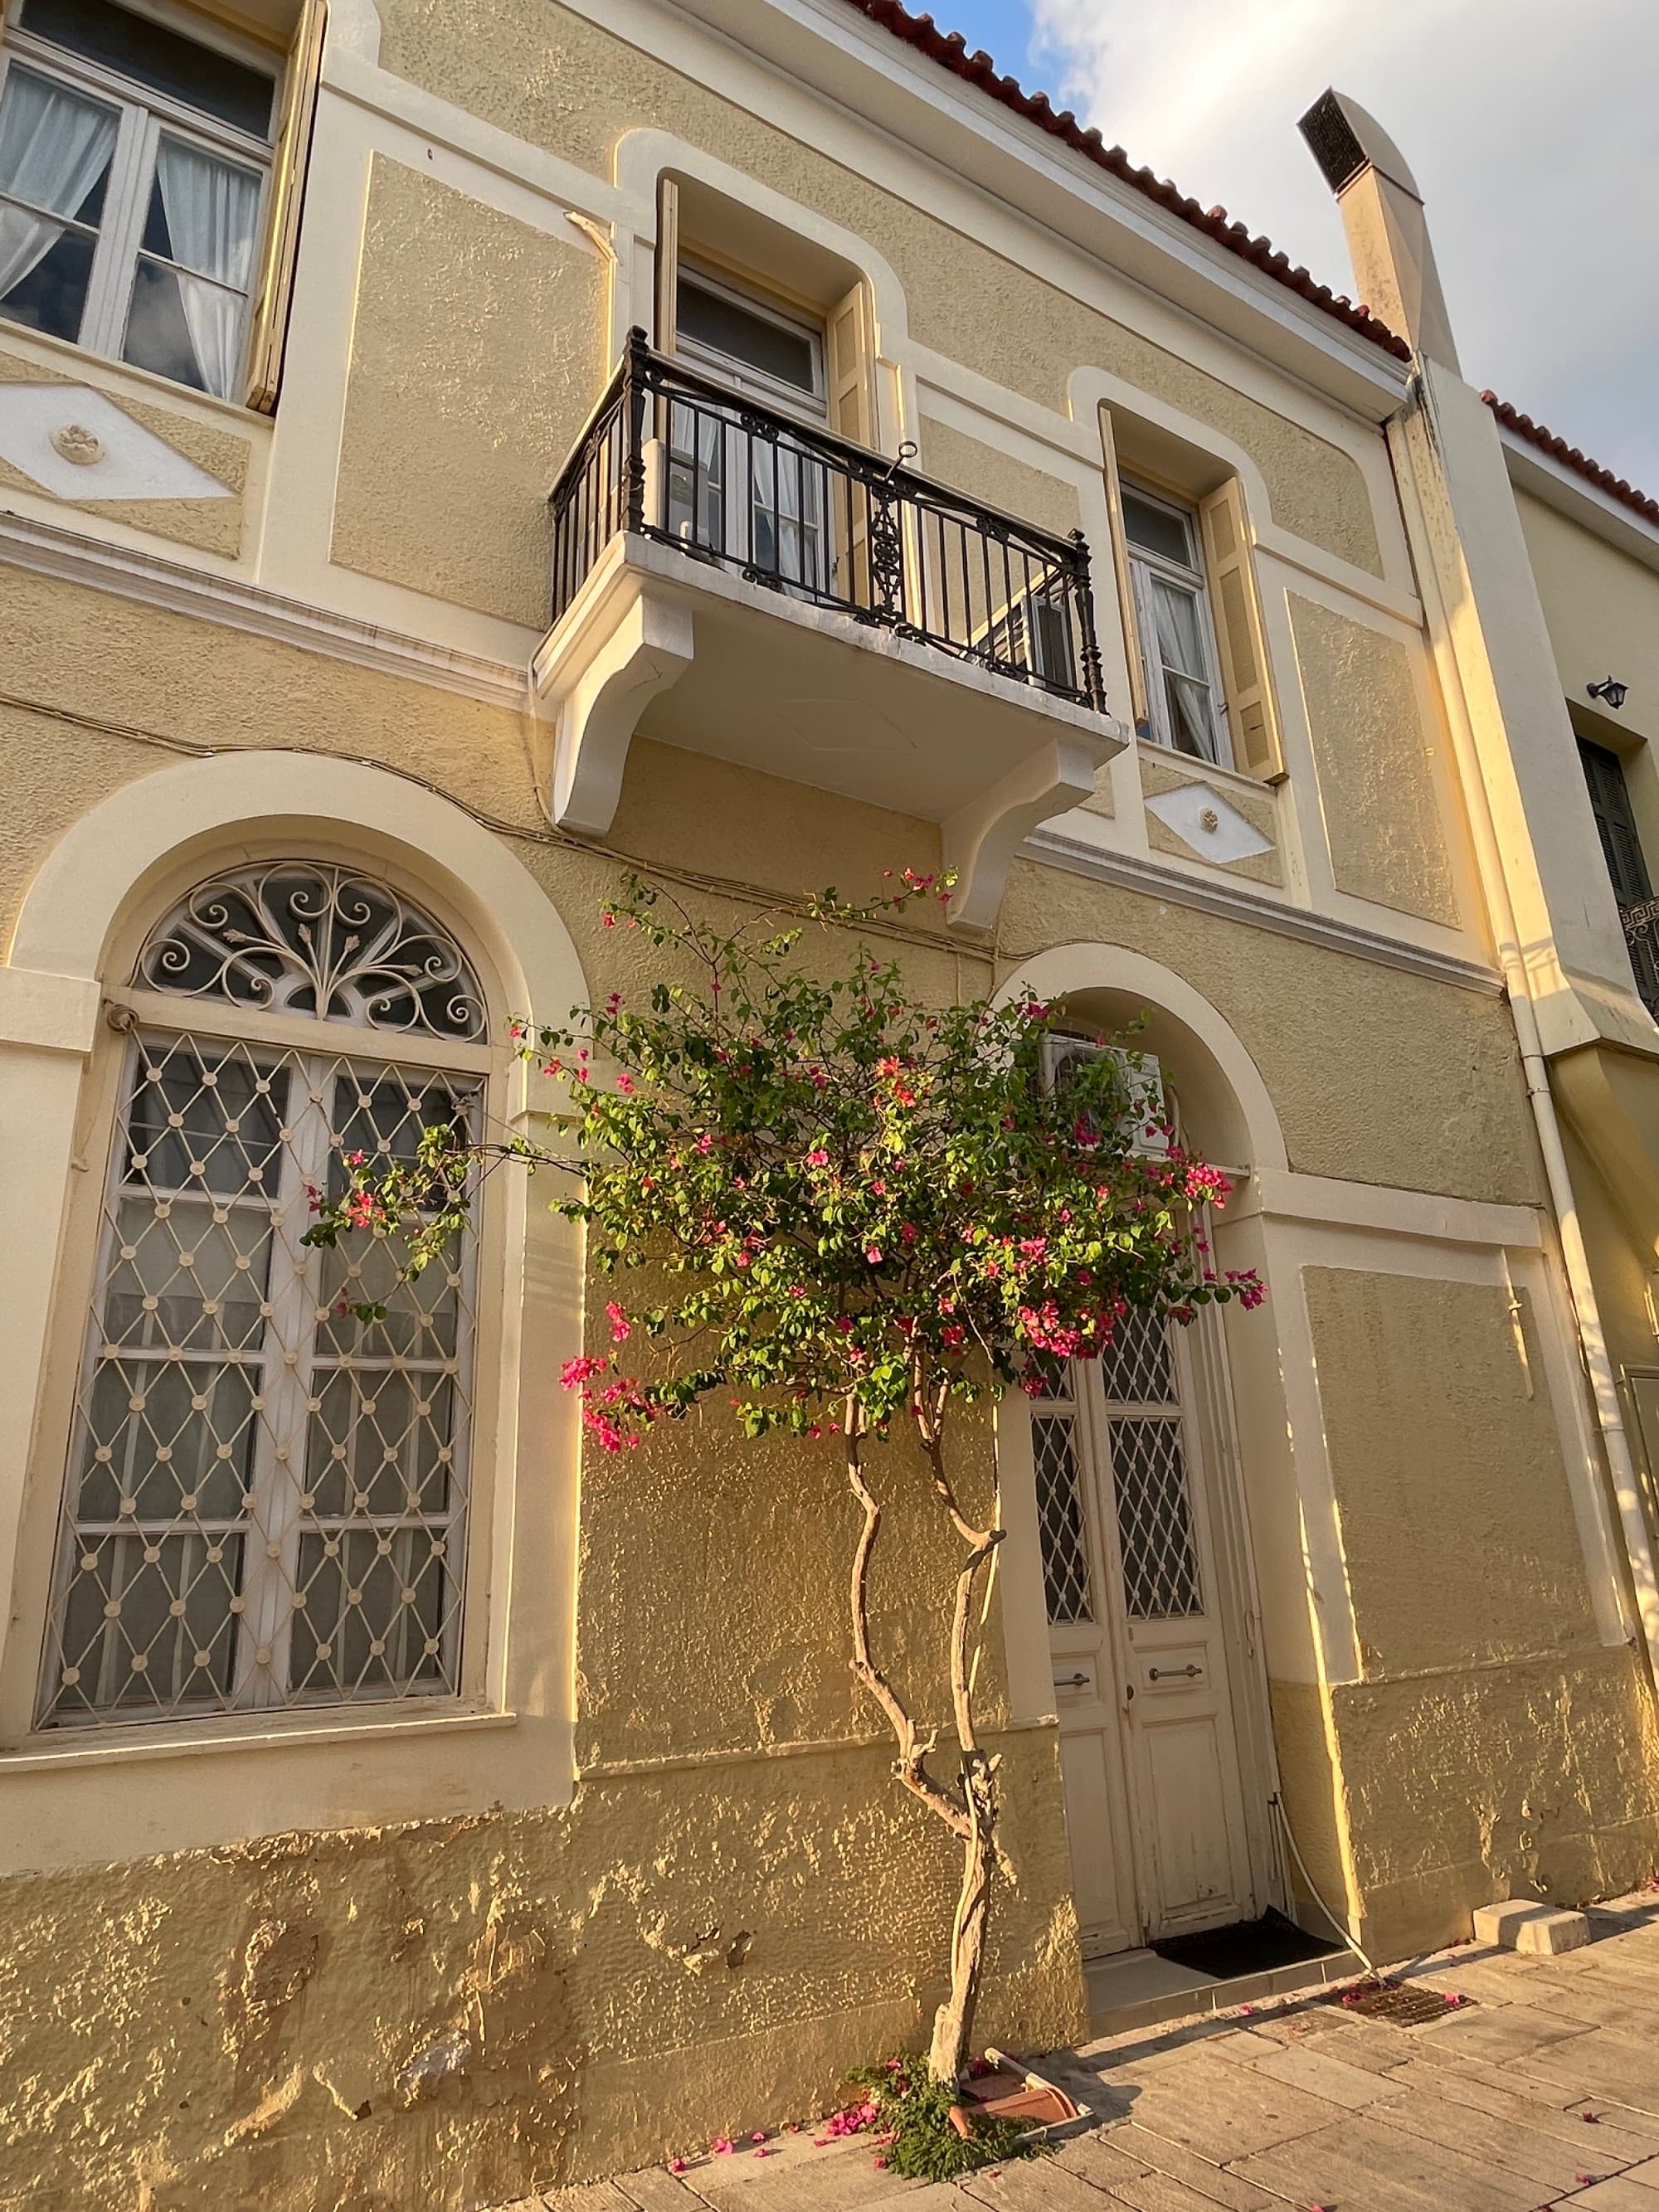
842	1214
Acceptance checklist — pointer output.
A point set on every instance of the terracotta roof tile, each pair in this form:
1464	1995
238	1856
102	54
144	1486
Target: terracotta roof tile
1535	433
949	49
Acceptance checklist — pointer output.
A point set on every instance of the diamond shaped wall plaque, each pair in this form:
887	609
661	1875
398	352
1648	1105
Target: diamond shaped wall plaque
1202	818
77	444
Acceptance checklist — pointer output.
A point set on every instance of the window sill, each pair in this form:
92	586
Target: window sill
97	369
113	1747
1236	778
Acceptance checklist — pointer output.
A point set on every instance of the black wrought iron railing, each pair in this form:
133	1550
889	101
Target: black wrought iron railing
1641	937
675	456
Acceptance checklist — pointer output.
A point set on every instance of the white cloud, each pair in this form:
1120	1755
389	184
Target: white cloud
1529	126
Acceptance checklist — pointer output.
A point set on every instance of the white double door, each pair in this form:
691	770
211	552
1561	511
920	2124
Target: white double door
1144	1687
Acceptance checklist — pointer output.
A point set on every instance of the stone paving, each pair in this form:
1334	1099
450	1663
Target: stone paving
1543	2089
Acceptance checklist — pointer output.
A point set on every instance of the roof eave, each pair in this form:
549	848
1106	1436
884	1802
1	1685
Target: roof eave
843	53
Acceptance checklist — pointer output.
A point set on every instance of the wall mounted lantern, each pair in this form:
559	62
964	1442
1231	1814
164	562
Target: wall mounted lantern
1611	689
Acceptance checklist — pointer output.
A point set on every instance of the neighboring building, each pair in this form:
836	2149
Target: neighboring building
388	1815
1542	595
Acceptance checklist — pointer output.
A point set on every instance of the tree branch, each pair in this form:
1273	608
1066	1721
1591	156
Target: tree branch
911	1765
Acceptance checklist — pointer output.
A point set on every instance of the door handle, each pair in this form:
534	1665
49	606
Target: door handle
1071	1681
1157	1675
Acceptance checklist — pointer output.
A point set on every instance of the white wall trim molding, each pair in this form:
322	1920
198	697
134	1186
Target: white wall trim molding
1053	848
1332	1202
47	1013
46	550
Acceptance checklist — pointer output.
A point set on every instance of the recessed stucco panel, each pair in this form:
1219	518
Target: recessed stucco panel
545	75
477	352
1374	762
1457	1526
1377	1075
213	524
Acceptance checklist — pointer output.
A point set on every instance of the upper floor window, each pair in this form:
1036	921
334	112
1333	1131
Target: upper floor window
750	341
1621	847
134	165
265	1503
1184	704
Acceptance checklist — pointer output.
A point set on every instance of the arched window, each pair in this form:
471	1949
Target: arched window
266	1496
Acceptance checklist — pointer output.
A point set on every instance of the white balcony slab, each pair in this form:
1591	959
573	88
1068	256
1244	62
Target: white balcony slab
662	644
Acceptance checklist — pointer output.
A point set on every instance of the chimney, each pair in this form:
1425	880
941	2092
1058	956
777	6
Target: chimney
1382	212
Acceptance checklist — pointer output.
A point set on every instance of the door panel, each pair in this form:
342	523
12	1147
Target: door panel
1149	1746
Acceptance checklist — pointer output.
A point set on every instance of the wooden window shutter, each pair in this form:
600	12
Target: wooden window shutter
852	368
1140	708
1237	609
668	264
274	290
1615	822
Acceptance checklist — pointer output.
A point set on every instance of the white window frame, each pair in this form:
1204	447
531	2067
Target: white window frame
733	501
143	116
310	1047
1190	579
813	406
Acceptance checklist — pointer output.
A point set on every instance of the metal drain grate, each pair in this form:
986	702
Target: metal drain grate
1403	2004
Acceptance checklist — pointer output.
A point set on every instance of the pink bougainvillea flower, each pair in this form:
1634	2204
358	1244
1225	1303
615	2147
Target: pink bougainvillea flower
722	2146
621	1327
759	2136
625	1083
608	918
765	2150
676	2165
818	1157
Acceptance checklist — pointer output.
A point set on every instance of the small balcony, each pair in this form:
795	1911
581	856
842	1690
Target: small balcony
733	580
1642	940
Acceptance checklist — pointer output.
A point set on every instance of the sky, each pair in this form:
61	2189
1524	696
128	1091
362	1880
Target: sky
1529	125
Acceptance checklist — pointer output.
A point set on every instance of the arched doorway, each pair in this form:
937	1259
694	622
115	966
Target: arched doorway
1155	1646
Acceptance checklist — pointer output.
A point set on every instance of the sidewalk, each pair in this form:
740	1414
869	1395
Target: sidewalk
1542	2090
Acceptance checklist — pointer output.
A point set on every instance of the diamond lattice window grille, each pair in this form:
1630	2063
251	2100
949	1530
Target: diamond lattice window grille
1154	1518
1136	1367
303	936
1059	1518
266	1498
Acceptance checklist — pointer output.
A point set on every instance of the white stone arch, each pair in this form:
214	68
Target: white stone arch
111	873
1221	1088
89	882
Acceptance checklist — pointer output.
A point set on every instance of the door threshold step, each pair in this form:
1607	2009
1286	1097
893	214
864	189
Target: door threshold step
1139	1989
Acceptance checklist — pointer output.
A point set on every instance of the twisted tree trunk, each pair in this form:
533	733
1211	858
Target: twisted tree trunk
970	1809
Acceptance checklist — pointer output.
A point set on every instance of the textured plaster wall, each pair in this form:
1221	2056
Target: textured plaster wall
1602	608
458	2013
477	352
543	74
985	473
213	524
1375	762
1378	1076
1487	1696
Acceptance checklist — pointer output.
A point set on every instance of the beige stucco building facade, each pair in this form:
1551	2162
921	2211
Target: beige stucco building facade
482	1816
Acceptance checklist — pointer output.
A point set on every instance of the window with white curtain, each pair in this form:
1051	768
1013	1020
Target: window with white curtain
133	168
1185	706
266	1495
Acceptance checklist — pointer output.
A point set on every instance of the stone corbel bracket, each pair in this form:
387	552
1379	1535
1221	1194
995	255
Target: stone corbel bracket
591	679
980	839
